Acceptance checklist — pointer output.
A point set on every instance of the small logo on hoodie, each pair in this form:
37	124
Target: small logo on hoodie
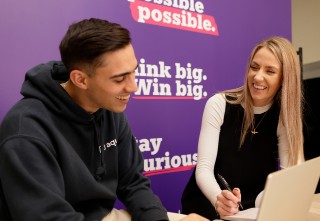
108	145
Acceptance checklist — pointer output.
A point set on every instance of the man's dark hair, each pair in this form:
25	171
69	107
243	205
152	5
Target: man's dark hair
86	41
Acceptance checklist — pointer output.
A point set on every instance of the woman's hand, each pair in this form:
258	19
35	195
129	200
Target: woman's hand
227	203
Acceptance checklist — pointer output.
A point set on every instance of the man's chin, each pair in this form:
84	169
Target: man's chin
119	110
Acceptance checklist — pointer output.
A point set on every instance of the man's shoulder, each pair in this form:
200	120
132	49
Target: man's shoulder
24	117
27	107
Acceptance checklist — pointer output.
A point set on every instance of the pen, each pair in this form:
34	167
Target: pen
226	186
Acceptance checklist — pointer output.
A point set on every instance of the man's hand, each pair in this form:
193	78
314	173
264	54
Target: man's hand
193	217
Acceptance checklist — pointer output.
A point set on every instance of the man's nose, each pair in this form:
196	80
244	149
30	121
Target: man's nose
132	85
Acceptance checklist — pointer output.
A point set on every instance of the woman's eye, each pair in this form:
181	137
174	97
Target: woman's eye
271	71
253	67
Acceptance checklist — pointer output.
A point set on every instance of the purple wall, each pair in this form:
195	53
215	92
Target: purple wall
187	50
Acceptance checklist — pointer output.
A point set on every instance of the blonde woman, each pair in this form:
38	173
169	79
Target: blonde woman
248	132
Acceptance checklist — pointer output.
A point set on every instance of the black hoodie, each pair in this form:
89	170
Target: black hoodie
57	162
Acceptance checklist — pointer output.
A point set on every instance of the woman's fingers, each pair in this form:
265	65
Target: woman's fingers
227	203
237	193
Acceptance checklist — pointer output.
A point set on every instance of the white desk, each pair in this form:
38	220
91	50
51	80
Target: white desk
314	211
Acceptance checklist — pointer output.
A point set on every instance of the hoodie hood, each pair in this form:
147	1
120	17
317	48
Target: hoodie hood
43	83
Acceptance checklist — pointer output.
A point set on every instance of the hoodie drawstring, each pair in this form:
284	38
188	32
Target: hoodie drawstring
100	167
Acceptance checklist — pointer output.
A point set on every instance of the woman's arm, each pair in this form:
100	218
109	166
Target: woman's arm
212	120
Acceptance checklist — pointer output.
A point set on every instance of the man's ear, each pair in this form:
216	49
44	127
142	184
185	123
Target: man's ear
79	79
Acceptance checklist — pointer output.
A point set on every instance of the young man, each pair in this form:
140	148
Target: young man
66	149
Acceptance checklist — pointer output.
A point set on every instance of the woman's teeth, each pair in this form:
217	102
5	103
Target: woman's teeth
259	87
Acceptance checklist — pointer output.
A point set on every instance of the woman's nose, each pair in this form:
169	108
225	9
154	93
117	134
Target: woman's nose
259	75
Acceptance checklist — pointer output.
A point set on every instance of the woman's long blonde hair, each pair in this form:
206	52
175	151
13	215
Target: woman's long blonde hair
289	96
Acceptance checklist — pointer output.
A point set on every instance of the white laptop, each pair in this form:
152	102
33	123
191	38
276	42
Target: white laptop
287	196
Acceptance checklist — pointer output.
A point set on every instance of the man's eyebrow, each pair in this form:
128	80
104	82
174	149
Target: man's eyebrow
119	75
122	74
